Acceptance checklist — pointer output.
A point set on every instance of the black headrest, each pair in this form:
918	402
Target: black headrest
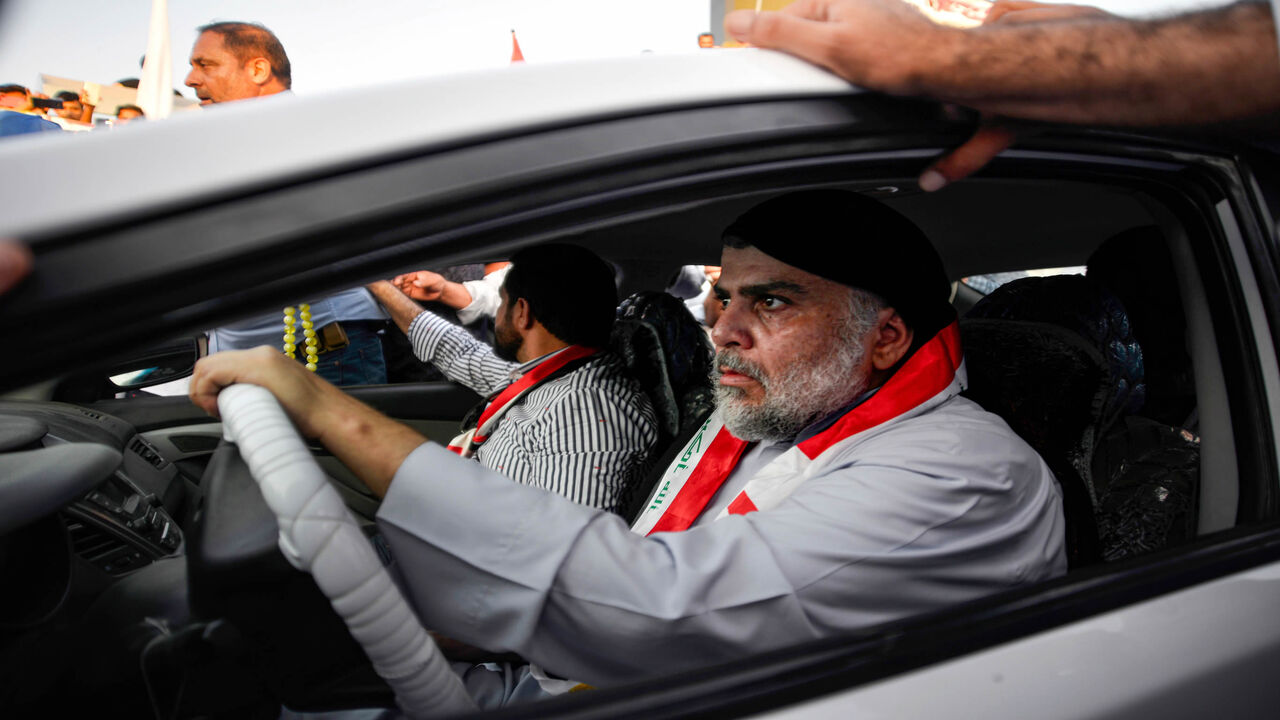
1075	303
1047	382
668	353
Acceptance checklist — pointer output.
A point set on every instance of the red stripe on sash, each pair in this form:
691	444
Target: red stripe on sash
741	505
929	371
529	379
703	482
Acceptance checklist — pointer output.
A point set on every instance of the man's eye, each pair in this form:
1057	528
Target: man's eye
769	302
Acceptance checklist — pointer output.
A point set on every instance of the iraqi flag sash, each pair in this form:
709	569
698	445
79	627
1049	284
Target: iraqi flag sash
934	373
468	442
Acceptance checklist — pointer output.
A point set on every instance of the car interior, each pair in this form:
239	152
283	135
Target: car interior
161	586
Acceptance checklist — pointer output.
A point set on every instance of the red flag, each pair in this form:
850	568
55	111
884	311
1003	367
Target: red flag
516	55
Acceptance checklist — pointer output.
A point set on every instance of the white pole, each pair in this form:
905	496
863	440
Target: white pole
155	87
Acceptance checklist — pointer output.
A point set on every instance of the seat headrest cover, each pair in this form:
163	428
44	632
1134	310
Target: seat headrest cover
667	352
1077	304
1049	383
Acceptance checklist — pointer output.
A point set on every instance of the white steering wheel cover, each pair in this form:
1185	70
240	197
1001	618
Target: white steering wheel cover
319	535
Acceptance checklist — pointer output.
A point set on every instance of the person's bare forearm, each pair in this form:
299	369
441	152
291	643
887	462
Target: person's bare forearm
1199	68
369	443
455	295
399	306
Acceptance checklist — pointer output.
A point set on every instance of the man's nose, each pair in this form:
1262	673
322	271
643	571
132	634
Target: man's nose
189	82
731	327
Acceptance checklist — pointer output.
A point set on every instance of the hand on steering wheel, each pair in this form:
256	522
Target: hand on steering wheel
319	535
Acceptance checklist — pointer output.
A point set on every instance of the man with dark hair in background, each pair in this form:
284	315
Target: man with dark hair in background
75	114
128	113
567	417
236	61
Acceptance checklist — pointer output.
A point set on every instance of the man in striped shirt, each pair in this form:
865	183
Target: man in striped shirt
562	412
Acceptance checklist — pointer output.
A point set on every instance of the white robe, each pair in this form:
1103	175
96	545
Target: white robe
926	510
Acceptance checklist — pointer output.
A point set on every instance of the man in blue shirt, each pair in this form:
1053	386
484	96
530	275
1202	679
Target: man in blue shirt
237	61
16	117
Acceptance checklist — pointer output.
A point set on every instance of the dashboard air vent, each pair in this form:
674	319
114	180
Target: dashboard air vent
143	449
103	550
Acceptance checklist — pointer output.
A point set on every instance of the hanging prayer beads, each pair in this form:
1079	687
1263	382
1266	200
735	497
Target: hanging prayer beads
292	318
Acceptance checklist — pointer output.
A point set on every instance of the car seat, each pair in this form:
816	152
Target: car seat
1050	385
1151	474
1057	358
669	354
1137	267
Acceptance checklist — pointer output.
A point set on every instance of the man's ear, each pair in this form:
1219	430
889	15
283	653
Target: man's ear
259	71
522	315
892	341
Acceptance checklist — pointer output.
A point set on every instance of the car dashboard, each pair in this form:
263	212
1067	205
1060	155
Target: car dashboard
127	519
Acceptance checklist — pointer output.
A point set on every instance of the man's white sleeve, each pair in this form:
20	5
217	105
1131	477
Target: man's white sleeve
485	297
512	568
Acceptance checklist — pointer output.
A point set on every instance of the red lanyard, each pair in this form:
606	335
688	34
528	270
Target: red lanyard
529	380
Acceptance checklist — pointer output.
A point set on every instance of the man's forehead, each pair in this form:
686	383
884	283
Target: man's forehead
749	266
208	46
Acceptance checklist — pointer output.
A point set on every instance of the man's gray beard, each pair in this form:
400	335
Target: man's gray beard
811	387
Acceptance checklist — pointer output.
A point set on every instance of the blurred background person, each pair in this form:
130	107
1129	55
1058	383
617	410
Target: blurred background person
18	114
75	114
128	113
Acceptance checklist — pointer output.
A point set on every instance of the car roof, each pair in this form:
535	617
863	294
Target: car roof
142	167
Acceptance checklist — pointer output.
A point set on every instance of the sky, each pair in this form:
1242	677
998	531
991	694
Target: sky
341	43
336	44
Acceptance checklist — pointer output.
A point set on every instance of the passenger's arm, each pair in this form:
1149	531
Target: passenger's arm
461	357
428	286
457	354
398	305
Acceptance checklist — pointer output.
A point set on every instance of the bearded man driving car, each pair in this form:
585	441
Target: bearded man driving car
841	482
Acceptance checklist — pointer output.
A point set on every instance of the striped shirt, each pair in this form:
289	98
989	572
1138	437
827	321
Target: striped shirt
588	434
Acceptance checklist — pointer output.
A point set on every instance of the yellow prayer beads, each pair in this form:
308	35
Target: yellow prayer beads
292	317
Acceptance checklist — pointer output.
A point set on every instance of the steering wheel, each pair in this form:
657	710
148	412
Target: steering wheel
318	535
